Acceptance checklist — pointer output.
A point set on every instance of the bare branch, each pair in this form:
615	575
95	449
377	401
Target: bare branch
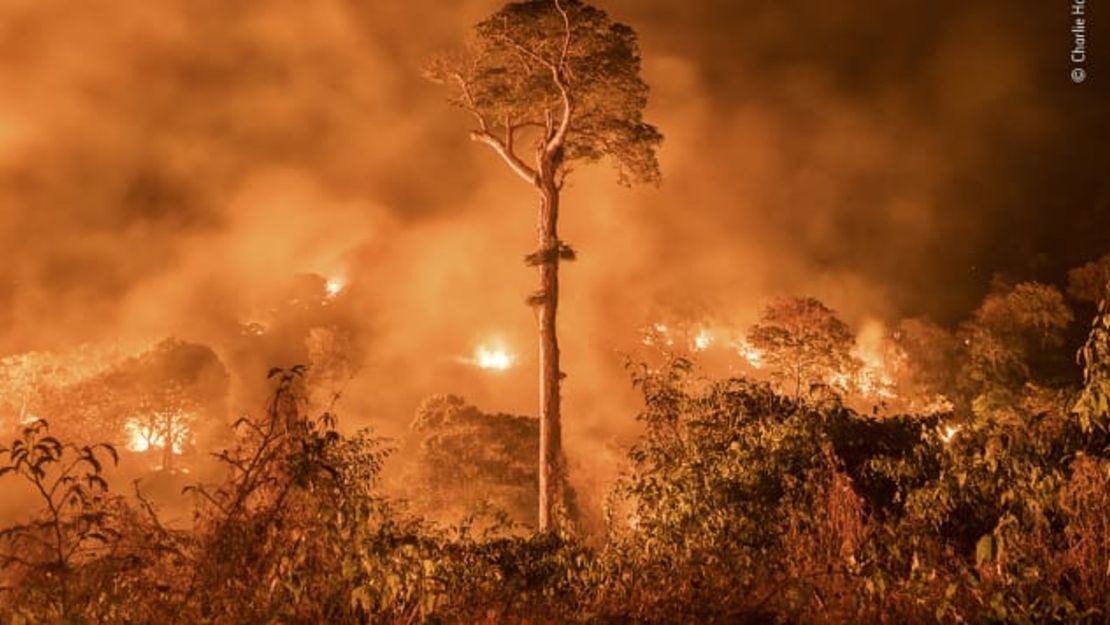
504	148
562	177
558	77
560	135
566	38
535	56
514	162
468	101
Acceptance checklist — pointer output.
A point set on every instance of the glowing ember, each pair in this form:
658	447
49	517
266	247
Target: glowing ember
492	358
657	335
334	286
949	433
873	381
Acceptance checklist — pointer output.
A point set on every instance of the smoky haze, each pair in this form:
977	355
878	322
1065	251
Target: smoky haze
166	168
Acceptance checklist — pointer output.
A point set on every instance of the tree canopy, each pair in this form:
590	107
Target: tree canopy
1010	329
1090	282
562	73
802	342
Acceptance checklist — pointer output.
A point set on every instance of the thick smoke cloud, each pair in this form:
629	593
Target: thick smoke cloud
167	167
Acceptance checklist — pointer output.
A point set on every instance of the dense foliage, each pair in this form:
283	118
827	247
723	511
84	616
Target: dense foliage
739	504
462	461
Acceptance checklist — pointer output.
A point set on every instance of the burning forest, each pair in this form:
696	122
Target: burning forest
553	311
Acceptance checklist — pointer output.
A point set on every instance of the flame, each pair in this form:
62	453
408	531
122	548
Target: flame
950	432
656	335
143	434
496	359
873	349
703	340
334	286
873	381
750	354
138	438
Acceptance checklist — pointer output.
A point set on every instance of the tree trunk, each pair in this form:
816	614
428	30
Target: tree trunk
167	443
550	469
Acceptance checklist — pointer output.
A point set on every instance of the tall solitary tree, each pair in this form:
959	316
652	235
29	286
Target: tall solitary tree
562	79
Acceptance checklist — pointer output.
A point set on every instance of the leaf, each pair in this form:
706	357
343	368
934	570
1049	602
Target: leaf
53	442
111	452
987	549
93	462
97	481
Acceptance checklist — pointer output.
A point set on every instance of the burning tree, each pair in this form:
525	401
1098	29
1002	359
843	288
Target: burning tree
163	395
802	343
564	77
163	417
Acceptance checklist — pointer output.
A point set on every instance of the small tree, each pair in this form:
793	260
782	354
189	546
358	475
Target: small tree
467	460
563	76
930	363
1088	282
1009	331
803	344
71	522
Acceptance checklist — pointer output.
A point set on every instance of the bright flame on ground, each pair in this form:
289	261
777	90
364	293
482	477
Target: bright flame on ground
334	286
875	379
703	340
138	438
751	354
496	359
949	433
657	334
143	436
